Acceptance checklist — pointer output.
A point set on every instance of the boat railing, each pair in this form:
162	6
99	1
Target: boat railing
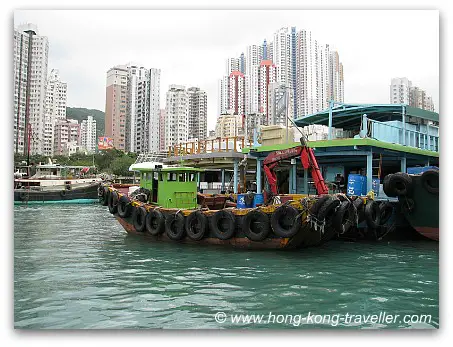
408	137
220	144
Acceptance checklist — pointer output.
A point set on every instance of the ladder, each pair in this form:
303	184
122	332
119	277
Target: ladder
377	166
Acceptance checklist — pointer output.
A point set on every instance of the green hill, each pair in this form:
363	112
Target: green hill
80	114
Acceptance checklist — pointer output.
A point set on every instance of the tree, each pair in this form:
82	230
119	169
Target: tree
120	166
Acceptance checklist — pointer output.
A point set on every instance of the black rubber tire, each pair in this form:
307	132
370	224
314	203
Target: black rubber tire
101	191
105	202
63	193
386	187
314	209
196	225
284	221
400	184
113	202
124	207
139	218
344	217
430	181
372	214
223	224
385	211
174	226
256	225
360	208
155	222
341	197
327	209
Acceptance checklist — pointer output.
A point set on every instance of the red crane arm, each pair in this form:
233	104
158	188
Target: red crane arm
308	160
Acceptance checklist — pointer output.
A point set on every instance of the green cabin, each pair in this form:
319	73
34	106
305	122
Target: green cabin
170	187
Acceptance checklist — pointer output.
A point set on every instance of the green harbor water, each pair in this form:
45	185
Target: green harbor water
76	268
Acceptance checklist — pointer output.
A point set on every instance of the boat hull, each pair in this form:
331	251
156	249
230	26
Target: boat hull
424	216
86	194
305	237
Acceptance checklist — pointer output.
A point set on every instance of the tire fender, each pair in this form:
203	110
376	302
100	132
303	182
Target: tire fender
174	226
113	202
139	218
372	214
284	221
196	225
155	222
256	225
124	207
223	224
430	181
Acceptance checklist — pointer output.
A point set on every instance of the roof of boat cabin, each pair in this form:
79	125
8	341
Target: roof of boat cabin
169	169
349	115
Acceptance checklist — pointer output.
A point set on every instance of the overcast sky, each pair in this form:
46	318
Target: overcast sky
191	47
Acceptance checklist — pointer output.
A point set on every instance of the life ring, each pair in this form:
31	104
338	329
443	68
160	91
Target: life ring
139	218
345	217
256	225
195	225
385	211
399	184
155	222
328	209
430	181
105	199
124	207
223	224
174	226
284	221
314	209
372	214
113	202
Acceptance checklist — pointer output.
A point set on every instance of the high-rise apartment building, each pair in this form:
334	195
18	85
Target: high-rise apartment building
311	70
67	137
177	116
232	65
142	116
56	102
137	114
236	93
403	92
115	106
198	116
336	77
277	111
30	78
228	125
267	74
162	130
88	135
400	90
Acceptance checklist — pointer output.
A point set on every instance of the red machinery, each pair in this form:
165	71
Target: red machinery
308	162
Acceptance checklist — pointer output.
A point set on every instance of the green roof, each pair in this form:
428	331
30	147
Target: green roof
181	168
349	116
344	143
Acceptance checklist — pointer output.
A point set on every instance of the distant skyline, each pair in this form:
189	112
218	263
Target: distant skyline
191	47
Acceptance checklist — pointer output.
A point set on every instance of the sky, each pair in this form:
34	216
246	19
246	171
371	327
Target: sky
191	47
